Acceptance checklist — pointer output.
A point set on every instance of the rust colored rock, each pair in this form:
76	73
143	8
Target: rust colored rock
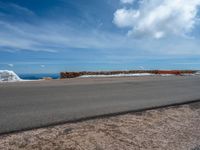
64	75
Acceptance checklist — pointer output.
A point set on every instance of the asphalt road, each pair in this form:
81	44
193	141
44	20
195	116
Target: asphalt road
35	104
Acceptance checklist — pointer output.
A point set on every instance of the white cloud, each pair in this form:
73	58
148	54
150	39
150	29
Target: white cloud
141	67
46	35
42	66
10	65
158	18
58	36
127	1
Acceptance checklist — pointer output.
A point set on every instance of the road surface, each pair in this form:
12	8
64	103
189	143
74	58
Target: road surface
28	105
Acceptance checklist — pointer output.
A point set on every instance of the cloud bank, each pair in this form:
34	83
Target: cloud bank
21	29
158	18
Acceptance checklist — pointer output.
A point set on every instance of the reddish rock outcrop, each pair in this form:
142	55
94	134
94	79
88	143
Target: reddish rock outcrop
64	75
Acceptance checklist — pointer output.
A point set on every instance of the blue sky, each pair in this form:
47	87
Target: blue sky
49	36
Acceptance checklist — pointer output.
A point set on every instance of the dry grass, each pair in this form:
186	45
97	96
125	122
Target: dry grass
174	128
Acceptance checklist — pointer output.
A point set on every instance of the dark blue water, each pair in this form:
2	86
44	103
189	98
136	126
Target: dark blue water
39	76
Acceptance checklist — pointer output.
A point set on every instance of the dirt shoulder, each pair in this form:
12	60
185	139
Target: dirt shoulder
176	128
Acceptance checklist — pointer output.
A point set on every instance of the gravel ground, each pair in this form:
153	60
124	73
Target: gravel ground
172	128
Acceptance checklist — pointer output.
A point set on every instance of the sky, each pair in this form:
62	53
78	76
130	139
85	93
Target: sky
49	36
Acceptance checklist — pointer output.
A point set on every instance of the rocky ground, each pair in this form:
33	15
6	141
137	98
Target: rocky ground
173	128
